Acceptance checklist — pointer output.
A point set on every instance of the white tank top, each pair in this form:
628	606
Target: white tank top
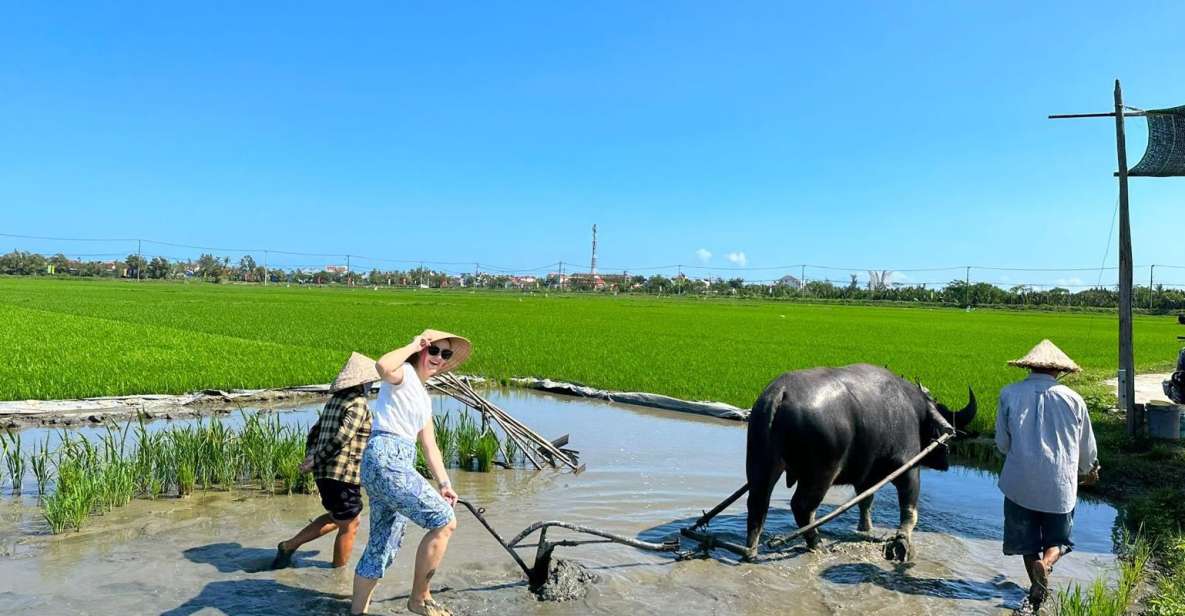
402	409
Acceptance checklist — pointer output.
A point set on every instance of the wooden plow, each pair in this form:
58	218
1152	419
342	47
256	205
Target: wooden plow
537	449
537	573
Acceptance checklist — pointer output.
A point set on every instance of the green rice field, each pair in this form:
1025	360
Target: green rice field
69	338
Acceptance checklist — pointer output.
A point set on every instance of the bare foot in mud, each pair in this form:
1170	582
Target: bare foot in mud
1040	589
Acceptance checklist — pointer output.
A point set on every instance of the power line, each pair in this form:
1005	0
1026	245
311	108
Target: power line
804	267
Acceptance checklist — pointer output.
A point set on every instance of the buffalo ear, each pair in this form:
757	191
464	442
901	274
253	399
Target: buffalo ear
940	422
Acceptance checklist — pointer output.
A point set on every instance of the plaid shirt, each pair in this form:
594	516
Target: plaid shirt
337	439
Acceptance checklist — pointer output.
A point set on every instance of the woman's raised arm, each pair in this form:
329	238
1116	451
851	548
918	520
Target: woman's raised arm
390	366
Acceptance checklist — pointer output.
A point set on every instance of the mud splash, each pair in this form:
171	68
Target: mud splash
566	581
650	472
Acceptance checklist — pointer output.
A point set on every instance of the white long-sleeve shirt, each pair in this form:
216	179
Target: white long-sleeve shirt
1043	429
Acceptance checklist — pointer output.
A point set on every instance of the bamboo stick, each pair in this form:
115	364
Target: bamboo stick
507	417
450	389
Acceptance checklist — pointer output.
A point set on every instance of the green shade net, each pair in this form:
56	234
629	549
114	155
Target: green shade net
1165	156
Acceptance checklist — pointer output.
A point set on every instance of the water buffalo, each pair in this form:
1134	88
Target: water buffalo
849	426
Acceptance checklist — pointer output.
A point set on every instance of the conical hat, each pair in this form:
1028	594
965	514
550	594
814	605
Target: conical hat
359	370
460	346
1046	356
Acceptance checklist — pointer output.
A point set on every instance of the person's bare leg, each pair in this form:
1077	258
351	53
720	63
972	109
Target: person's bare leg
1051	556
428	557
1029	568
363	589
344	543
319	527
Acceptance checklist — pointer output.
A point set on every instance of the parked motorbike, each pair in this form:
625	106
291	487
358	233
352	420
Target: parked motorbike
1174	387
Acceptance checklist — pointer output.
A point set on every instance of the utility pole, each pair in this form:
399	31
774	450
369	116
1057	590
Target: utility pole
1158	161
561	275
967	286
139	260
349	280
266	274
1151	275
1127	368
802	279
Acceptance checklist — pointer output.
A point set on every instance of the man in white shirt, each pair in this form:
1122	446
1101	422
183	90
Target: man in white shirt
1043	429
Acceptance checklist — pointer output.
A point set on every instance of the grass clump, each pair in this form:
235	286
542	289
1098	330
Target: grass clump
95	478
1100	599
485	450
14	460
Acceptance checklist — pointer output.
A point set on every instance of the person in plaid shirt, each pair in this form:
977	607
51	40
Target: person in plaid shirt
333	455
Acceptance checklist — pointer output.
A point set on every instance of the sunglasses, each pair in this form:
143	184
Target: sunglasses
444	354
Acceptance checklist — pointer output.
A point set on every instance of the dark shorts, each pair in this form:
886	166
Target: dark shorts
1028	532
342	500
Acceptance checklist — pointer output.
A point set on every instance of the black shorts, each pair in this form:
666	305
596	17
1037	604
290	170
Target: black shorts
1028	532
342	500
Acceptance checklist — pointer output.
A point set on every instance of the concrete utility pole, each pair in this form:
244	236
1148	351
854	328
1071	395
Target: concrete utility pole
139	259
967	285
349	280
266	274
1127	364
1151	277
592	270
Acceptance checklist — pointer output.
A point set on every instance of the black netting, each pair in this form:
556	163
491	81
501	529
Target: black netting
1165	155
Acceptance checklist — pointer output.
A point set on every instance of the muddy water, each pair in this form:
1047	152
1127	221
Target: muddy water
648	473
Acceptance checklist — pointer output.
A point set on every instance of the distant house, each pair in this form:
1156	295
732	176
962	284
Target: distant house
790	281
336	269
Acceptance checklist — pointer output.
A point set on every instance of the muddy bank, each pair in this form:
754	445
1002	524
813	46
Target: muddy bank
649	473
636	398
23	413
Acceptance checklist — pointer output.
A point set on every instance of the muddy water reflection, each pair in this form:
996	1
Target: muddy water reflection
648	470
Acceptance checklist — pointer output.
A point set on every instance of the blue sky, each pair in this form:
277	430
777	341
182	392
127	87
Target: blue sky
895	135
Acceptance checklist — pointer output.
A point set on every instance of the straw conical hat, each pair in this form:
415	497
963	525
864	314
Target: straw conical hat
460	346
1046	356
359	370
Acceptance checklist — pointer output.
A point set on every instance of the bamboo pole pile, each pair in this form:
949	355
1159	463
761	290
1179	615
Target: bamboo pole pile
537	449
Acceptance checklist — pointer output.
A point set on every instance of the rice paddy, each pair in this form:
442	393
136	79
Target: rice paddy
92	476
67	338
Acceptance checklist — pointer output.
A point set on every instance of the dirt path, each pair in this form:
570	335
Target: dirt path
1148	387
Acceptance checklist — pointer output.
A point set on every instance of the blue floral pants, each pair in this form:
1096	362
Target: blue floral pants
397	493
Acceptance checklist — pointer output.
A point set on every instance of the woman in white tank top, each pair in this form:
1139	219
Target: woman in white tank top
401	416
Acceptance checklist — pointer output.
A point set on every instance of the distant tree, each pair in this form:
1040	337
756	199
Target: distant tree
247	268
136	266
60	264
158	268
212	268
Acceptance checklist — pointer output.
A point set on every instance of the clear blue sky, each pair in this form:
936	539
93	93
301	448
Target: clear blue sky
879	134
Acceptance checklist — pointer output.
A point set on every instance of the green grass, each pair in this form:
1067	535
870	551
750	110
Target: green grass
65	338
1101	599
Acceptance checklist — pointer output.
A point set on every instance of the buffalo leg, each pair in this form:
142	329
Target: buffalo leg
805	501
908	487
865	524
763	476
